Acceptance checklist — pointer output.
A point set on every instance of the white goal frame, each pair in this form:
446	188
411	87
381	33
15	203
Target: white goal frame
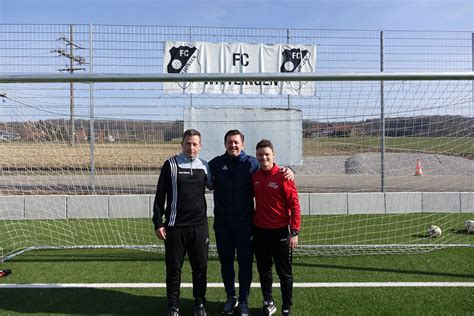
92	78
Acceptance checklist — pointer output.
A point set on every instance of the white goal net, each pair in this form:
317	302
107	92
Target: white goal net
378	158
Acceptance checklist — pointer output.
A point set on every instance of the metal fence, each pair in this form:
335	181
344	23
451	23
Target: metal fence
137	49
145	113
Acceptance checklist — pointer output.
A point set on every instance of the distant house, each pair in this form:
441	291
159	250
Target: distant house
332	130
341	131
7	136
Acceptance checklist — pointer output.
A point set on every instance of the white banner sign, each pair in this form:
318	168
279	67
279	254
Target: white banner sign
203	57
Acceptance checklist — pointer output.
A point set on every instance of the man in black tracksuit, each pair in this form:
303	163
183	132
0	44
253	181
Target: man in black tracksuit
181	185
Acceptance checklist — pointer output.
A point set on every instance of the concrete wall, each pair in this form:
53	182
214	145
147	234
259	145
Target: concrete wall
140	206
282	125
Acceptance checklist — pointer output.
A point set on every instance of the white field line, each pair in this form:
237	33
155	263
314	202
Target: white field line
220	285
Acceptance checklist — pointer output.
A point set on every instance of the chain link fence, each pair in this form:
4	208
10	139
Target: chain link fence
142	113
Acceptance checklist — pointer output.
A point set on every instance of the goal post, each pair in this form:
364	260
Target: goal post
356	196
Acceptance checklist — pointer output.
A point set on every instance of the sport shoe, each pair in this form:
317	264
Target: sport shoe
243	309
173	311
229	306
268	308
4	273
200	310
286	312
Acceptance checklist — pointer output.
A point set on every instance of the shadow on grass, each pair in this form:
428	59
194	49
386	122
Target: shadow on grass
383	270
92	301
108	255
461	232
422	236
65	257
448	231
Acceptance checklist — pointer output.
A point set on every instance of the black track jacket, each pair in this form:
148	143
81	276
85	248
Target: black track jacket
182	185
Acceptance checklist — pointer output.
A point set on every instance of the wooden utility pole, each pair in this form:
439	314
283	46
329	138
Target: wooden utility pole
73	60
72	127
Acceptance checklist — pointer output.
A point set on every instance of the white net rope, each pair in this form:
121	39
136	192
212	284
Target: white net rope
86	177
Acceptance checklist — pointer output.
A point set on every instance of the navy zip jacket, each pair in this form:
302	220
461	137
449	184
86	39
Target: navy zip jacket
233	193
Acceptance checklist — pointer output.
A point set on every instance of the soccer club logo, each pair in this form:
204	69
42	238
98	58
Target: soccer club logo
296	60
183	59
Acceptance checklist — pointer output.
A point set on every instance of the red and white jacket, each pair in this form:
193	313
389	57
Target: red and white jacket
276	198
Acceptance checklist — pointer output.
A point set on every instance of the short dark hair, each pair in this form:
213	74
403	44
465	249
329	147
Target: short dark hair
233	132
190	132
264	143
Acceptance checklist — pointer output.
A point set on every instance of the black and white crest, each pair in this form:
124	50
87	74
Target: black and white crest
181	58
296	60
293	60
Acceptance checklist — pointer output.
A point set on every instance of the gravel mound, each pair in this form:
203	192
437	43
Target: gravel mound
396	164
322	165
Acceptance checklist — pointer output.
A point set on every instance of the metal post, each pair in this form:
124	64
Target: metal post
72	129
190	94
288	42
382	121
91	113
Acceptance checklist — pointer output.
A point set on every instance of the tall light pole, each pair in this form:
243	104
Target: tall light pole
75	63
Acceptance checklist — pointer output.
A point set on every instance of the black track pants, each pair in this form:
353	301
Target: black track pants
231	240
271	246
180	241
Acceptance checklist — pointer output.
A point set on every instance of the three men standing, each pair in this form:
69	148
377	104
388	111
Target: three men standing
181	185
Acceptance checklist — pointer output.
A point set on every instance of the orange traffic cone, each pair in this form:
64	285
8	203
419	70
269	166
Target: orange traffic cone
418	171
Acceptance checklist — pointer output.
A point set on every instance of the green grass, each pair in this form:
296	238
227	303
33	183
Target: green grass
316	230
105	265
133	266
355	144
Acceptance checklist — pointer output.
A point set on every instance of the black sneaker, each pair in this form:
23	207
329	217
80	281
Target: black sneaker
286	312
268	308
243	309
200	310
229	305
173	311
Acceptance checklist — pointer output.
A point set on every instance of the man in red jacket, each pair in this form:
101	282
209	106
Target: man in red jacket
277	221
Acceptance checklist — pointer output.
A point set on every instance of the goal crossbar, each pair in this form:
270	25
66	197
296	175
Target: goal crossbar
194	77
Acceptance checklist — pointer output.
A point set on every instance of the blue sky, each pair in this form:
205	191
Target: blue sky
431	15
436	15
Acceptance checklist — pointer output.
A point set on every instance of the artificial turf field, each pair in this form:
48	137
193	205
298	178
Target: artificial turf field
143	268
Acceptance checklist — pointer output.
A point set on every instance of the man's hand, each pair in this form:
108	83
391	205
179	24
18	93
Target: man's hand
292	242
161	233
287	173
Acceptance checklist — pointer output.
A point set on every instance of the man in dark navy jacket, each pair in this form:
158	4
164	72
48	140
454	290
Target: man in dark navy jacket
233	215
